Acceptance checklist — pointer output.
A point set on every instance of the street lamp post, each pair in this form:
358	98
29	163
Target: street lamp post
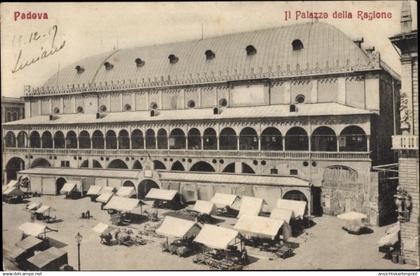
79	241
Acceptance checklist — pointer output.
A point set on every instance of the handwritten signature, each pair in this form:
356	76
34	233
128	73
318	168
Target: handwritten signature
44	51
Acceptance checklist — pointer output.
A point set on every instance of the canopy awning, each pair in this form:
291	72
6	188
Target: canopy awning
161	194
251	206
105	197
94	190
223	200
204	207
122	204
33	205
29	243
178	228
255	226
68	187
14	253
352	216
298	207
43	209
389	239
281	214
126	191
13	191
216	237
108	189
102	228
33	229
46	257
12	183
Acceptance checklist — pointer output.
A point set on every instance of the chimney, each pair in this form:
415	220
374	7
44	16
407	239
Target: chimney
358	41
100	115
370	49
406	19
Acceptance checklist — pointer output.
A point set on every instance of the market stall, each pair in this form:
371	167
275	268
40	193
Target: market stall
226	204
354	222
251	206
36	230
44	213
13	194
168	199
94	191
26	248
51	259
121	207
181	232
33	206
204	211
221	248
126	192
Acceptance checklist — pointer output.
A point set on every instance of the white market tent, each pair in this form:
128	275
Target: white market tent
13	191
251	206
68	187
122	204
255	226
204	207
94	190
33	229
11	184
107	189
178	228
126	191
223	200
217	237
34	205
298	207
102	228
352	216
161	194
282	214
105	197
43	209
389	239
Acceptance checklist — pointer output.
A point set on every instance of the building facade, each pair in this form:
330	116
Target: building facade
406	143
303	111
12	109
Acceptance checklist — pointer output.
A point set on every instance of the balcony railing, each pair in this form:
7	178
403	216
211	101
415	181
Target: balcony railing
405	142
196	153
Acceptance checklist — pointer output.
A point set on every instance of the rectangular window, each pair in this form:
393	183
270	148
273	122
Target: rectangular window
294	172
274	171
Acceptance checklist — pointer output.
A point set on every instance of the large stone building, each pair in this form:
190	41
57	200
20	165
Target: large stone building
407	141
12	109
300	111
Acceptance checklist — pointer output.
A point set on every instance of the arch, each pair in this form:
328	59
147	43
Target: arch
323	139
123	139
150	139
230	168
177	139
137	165
248	139
84	140
35	139
40	162
98	140
71	140
295	195
110	140
271	139
10	139
46	140
340	173
162	139
85	164
117	164
247	169
297	45
59	140
177	166
22	139
194	139
137	139
144	187
128	183
353	138
59	183
96	164
202	166
158	165
14	165
228	139
297	139
209	139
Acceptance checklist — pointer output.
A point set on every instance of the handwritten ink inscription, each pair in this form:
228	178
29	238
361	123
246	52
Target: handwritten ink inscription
44	43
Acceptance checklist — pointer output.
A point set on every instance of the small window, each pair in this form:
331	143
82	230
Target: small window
191	104
79	69
108	65
293	172
127	107
274	171
210	55
153	105
102	108
139	62
305	163
292	108
250	50
172	59
223	102
79	109
300	98
297	45
56	110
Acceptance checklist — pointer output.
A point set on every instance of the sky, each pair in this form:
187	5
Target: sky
92	28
